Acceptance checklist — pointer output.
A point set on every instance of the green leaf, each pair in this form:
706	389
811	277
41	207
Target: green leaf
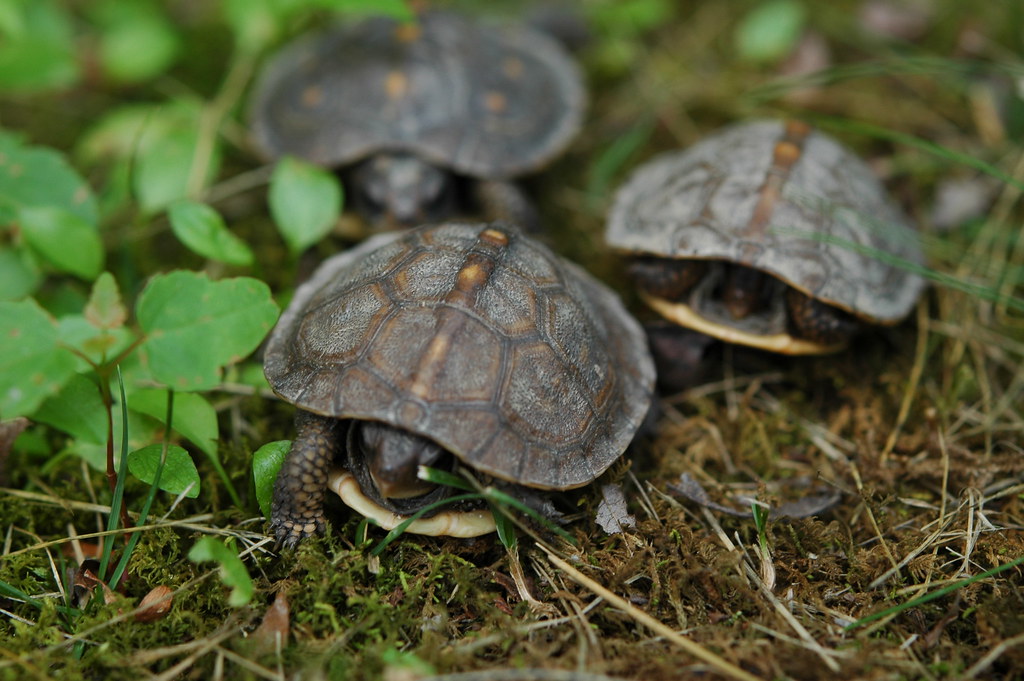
255	23
123	131
613	158
195	326
397	9
32	365
179	471
266	463
77	410
629	18
139	45
39	53
194	417
203	231
12	24
142	430
105	309
19	274
770	31
38	176
99	345
165	166
305	202
232	569
63	239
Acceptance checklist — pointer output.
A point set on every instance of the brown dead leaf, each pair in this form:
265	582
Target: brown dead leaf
612	514
275	625
84	582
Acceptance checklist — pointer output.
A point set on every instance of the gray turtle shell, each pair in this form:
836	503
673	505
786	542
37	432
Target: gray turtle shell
485	101
832	232
512	358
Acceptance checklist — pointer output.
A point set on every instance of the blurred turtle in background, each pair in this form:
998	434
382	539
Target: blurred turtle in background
423	120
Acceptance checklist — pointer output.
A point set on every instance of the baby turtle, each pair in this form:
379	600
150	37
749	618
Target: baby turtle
768	234
424	118
451	344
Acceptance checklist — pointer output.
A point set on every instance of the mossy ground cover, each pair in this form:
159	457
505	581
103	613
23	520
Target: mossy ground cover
915	434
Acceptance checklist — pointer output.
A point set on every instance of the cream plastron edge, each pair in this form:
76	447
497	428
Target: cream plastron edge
684	315
459	524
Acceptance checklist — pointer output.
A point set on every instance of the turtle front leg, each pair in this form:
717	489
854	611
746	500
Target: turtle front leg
504	200
298	508
816	321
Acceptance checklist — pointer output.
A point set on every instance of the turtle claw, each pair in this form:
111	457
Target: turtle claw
288	533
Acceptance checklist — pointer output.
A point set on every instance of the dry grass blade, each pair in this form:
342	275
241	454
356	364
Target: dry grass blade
805	636
701	653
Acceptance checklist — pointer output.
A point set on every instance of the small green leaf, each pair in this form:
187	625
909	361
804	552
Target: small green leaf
255	23
397	9
164	167
99	345
140	45
629	18
65	240
19	274
77	410
194	417
771	30
179	473
202	229
32	365
105	309
38	176
125	130
232	569
12	24
142	430
195	326
39	53
305	202
266	463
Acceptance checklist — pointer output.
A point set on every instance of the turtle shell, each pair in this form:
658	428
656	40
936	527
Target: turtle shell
484	101
512	358
781	198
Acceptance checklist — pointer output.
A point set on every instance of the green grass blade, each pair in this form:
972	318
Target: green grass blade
504	526
122	473
499	497
122	564
17	594
938	67
902	138
921	600
940	278
439	477
401	527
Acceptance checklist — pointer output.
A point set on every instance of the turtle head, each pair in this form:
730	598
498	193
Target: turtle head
392	456
401	190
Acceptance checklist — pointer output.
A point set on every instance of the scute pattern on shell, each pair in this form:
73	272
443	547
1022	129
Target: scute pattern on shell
542	381
485	101
699	202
